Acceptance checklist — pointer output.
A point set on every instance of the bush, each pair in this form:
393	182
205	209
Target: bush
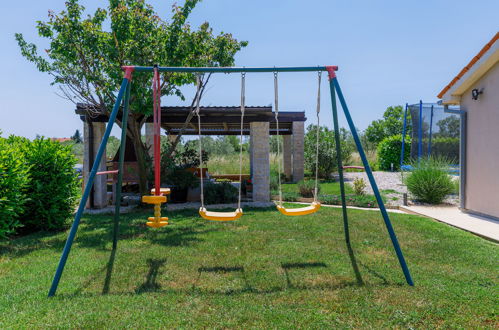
14	179
307	187
351	200
389	150
359	186
429	181
182	179
54	188
274	181
220	193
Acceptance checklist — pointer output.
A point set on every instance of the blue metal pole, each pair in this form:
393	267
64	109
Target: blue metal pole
86	193
374	186
420	130
431	131
119	182
339	161
402	153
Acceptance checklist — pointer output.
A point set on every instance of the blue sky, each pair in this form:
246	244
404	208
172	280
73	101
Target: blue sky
389	53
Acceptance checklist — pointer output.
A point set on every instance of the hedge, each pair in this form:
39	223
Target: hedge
14	180
389	150
39	187
54	187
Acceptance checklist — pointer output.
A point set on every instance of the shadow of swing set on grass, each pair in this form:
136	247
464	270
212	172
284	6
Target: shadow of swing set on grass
157	221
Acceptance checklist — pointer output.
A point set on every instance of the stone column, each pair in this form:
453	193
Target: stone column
92	137
251	155
287	153
260	150
298	150
150	138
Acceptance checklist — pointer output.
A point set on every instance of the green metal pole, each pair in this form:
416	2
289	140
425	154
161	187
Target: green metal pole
119	183
374	186
339	161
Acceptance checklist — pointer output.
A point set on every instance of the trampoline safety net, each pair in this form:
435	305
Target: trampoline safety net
434	132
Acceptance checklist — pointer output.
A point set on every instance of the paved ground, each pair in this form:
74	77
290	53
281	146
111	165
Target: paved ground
451	215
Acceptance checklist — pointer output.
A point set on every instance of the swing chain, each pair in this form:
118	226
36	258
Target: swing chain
317	139
197	111
276	111
243	105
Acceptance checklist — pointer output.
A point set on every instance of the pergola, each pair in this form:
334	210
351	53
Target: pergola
259	123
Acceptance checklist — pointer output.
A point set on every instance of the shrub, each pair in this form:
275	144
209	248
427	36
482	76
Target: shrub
429	181
219	193
351	200
54	187
14	179
182	179
290	196
359	186
389	150
274	181
307	187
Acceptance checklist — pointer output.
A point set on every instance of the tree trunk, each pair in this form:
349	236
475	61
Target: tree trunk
134	128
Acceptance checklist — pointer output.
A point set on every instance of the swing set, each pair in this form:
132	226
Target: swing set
158	194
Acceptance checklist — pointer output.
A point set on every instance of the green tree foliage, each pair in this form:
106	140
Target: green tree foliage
391	124
448	127
273	141
86	52
389	151
77	137
222	145
327	150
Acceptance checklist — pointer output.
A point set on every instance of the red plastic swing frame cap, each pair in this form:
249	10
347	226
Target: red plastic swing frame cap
128	71
331	70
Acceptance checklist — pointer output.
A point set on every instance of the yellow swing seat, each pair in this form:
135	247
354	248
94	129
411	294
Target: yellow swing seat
220	216
312	208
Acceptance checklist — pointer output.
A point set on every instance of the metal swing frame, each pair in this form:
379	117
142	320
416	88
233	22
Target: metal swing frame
123	96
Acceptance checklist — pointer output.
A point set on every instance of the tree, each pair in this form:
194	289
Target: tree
391	124
448	127
85	59
327	150
77	137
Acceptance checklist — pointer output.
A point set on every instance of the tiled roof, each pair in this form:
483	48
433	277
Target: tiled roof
470	64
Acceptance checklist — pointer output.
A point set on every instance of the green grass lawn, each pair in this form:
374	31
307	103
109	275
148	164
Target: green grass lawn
327	188
263	271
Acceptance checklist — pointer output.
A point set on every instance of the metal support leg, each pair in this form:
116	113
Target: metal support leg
88	188
119	183
404	131
339	161
388	224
